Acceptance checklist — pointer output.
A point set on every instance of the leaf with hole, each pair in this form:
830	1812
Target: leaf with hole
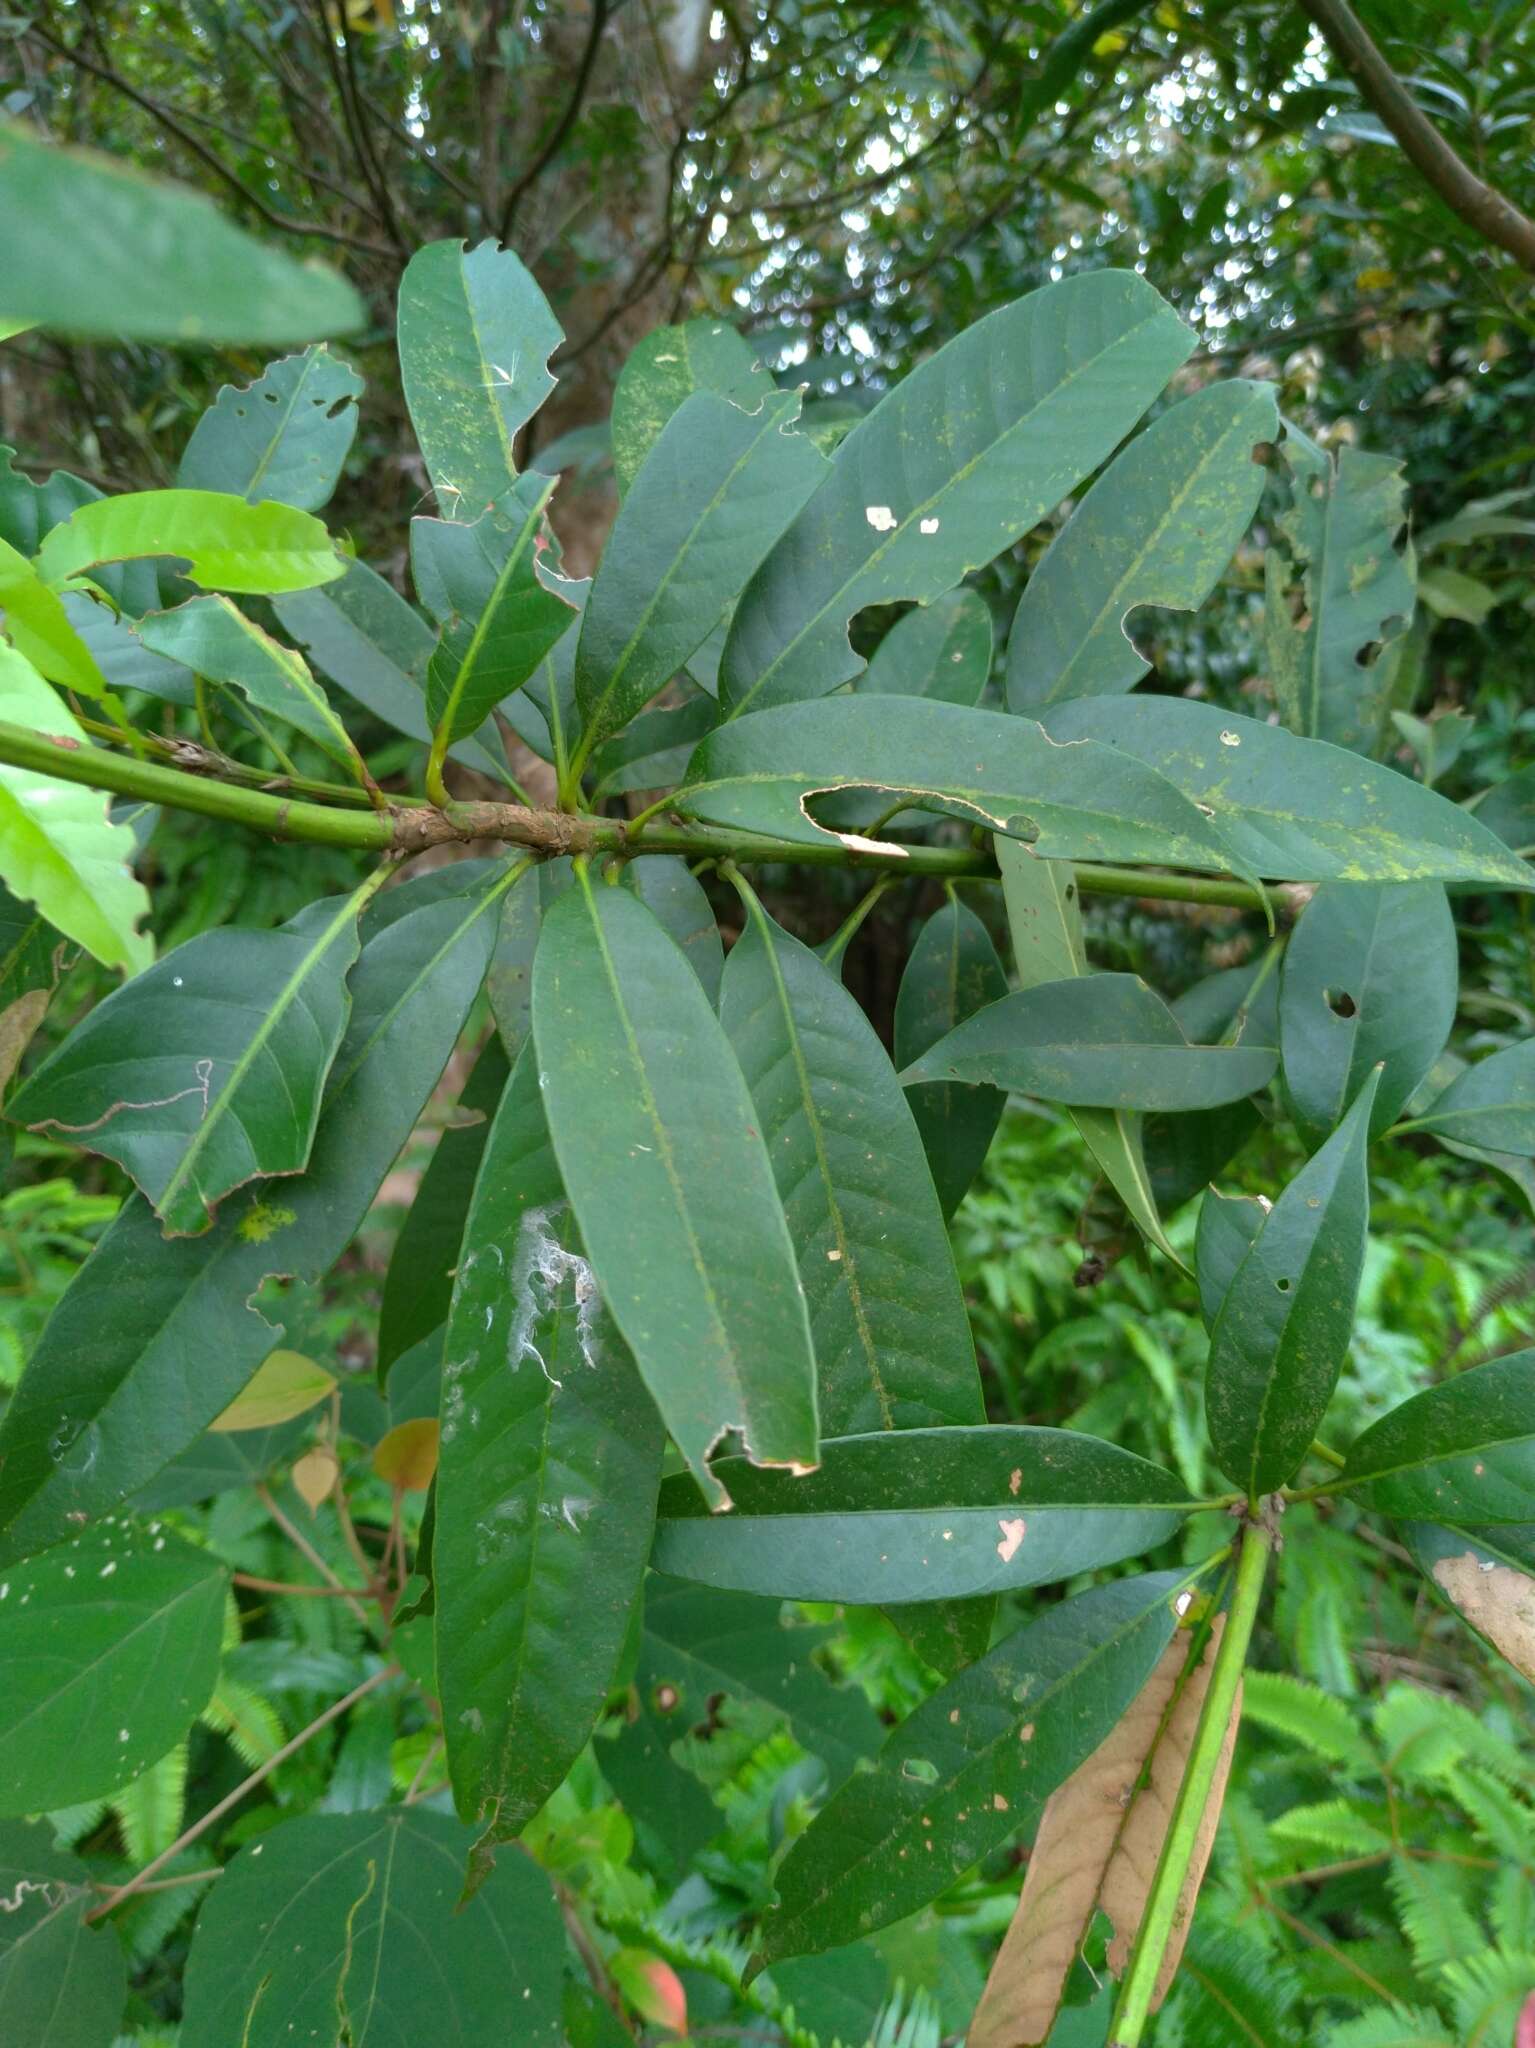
284	436
951	972
226	543
942	650
664	370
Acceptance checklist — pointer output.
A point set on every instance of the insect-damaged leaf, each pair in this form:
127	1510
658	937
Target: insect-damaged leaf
1461	1452
207	1070
1097	1847
54	1970
1157	528
942	649
664	370
962	457
284	436
951	972
226	543
705	1289
546	1491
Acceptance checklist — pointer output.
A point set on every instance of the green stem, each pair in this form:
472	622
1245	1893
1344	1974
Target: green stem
1193	1794
847	931
1328	1455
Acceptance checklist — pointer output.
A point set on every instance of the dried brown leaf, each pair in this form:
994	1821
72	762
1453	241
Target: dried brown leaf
1498	1601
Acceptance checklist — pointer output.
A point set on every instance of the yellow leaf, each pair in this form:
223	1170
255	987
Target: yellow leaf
1375	278
285	1386
313	1477
1109	45
407	1456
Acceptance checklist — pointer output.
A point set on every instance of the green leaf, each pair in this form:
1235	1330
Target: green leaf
1089	803
953	970
1370	978
475	338
922	1514
40	628
62	1984
672	1186
715	492
1106	1040
664	370
287	1384
214	638
1283	1330
206	1071
653	751
972	1766
1295	809
1157	528
665	886
148	261
58	846
122	659
110	1643
509	980
175	1327
31	959
227	544
950	468
1227	1226
497	620
283	436
1491	1103
941	650
551	1453
892	1341
1357	592
348	1927
1460	1452
1508	810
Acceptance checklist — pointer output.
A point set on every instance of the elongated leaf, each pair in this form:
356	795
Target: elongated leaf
31	958
940	650
1490	1103
1486	1585
206	280
498	620
664	370
39	627
58	846
1087	803
551	1453
664	885
715	492
1227	1226
110	1643
705	1290
1283	1330
1369	979
347	1926
1460	1452
1293	808
653	751
284	436
1104	1039
892	1342
120	655
1157	528
62	1984
922	1514
213	638
475	337
227	544
1346	517
174	1327
952	972
962	457
509	981
972	1766
288	1384
206	1071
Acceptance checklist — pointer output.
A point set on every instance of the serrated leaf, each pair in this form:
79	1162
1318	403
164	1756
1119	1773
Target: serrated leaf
110	1643
950	468
1293	808
714	493
204	281
348	1926
58	846
54	1970
1460	1452
1369	978
952	971
39	628
1157	528
1309	1717
551	1453
1223	1237
664	884
922	1514
941	650
207	1070
149	1812
226	543
1491	1103
285	435
286	1385
475	338
1283	1331
664	370
705	1291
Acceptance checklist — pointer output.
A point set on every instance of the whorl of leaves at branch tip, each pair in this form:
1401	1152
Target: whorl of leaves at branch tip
689	1214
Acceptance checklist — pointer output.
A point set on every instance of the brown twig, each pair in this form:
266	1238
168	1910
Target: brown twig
302	1544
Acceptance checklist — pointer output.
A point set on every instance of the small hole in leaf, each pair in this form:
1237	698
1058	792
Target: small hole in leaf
1318	487
1340	1002
340	406
270	397
922	1768
1283	1286
1071	890
1369	654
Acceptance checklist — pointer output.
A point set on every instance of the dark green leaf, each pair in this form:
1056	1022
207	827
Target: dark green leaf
1238	1002
676	898
702	1283
31	957
1369	979
284	436
942	649
1509	810
1227	1226
953	971
1157	528
226	544
110	1645
1491	1103
62	1984
1283	1330
220	1461
509	980
148	261
950	468
1183	1154
662	373
1460	1452
922	1514
347	1927
653	751
119	653
551	1452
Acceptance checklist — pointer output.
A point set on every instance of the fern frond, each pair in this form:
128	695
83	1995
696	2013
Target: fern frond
1344	1826
1425	1735
903	2025
1394	2026
149	1811
71	1824
1489	1991
1230	1994
248	1723
1511	1907
1433	1912
1308	1717
1503	1820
